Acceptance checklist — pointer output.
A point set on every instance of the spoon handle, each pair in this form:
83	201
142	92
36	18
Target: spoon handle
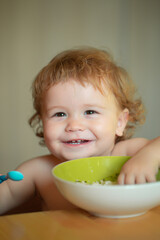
3	178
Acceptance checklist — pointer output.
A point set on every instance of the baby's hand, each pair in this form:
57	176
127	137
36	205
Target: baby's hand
138	171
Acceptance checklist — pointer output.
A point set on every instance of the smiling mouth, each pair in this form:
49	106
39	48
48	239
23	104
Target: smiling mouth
77	142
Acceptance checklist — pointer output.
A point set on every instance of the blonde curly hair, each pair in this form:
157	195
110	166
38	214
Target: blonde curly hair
95	67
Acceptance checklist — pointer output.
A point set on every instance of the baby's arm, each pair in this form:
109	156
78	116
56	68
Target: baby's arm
145	161
12	193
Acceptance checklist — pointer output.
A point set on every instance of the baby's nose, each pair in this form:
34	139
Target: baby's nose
75	125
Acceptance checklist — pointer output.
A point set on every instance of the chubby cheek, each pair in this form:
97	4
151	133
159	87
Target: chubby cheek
48	130
49	138
105	128
98	129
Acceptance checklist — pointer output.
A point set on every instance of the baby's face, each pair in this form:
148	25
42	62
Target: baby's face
79	121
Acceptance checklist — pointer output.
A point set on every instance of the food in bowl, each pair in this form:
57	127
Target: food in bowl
111	200
101	182
110	180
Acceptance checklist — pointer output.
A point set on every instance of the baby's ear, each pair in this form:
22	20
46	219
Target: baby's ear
122	122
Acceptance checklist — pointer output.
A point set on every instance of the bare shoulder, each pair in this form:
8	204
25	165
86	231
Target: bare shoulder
129	147
40	162
38	166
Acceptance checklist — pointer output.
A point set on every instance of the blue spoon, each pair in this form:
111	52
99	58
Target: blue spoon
13	175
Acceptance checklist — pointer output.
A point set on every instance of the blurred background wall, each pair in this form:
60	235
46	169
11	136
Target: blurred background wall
33	31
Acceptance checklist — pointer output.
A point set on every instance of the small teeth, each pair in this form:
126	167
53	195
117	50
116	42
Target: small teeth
77	141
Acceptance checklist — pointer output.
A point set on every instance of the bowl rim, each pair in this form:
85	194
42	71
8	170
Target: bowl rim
126	186
118	186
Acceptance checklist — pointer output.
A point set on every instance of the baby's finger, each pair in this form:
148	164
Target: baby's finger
126	179
140	179
121	179
151	178
129	179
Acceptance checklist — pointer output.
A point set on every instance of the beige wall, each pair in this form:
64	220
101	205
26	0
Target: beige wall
33	31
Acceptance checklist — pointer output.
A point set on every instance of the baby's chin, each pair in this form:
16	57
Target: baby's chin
73	157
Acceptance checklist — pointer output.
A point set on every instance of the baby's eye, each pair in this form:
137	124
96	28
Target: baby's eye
59	114
90	112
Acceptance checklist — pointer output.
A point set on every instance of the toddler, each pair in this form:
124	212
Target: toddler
85	106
